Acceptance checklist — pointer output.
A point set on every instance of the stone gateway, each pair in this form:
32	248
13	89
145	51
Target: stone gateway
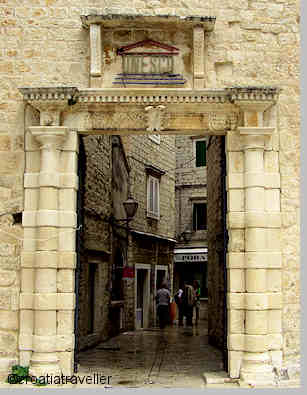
235	73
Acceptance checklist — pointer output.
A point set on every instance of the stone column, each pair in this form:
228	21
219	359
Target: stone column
262	253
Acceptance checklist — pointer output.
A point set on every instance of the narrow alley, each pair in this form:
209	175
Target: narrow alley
175	357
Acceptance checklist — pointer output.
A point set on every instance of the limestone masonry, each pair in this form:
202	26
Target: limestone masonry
228	68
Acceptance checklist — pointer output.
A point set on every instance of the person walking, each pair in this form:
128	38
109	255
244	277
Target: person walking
179	301
197	300
188	301
163	304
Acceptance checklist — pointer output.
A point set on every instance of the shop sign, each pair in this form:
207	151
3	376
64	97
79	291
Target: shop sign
191	258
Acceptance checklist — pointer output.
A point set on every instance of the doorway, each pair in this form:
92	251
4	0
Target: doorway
142	295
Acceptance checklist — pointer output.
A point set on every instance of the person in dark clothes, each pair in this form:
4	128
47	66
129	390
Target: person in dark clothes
163	304
179	301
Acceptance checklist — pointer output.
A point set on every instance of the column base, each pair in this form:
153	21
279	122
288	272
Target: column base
257	369
42	364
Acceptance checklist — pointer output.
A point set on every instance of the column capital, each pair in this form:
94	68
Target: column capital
49	137
50	101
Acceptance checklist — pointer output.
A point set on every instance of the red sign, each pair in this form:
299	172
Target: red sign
128	272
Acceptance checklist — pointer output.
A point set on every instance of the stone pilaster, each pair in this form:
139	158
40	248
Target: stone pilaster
261	296
96	55
47	298
199	56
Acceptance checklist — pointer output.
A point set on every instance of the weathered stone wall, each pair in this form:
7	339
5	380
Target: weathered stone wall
253	43
191	186
216	281
96	190
141	151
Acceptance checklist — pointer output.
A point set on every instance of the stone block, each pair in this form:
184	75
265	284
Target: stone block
273	240
236	240
47	218
29	219
67	239
65	301
29	242
271	162
234	363
71	142
67	260
272	200
274	277
69	180
5	298
275	300
9	320
254	180
65	342
46	259
274	321
25	342
45	280
33	162
256	280
235	320
235	280
47	239
233	141
235	200
276	357
67	219
254	199
256	322
272	180
31	180
27	280
31	199
69	162
274	341
8	342
67	199
255	239
235	300
65	322
7	278
66	280
51	180
234	181
44	344
45	301
66	361
235	162
236	342
235	260
255	219
235	220
24	358
48	198
256	343
26	321
256	301
263	260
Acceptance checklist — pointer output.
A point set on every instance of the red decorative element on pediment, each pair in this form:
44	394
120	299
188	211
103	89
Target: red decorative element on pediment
150	44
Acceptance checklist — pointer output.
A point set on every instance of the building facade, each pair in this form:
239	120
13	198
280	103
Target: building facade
191	251
232	70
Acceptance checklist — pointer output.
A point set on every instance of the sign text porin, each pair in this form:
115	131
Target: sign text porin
147	64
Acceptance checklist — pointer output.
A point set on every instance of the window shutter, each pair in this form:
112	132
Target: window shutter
200	153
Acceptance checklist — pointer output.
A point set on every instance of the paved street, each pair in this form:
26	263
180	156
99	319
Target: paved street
175	357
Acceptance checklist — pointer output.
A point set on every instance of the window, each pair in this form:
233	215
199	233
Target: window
155	138
199	216
200	152
153	198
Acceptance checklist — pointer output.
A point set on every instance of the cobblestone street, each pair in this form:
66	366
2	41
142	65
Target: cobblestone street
175	357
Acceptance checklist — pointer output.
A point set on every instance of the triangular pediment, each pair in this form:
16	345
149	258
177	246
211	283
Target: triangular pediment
148	47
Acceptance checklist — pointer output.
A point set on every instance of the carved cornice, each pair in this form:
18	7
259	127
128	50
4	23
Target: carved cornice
253	93
132	20
72	95
49	93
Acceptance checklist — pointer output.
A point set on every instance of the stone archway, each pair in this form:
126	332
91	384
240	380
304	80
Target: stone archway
246	117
